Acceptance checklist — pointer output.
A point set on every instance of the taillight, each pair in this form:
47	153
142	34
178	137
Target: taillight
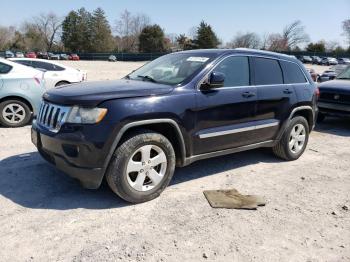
37	80
317	92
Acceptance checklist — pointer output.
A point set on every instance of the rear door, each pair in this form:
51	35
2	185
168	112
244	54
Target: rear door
275	98
225	115
52	74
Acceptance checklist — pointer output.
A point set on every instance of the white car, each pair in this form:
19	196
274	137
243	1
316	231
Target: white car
56	74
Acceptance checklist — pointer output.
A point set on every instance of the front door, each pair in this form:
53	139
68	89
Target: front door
225	115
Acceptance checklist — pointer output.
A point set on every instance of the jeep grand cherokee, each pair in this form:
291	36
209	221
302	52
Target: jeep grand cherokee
178	109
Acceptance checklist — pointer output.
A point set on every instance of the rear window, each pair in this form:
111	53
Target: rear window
46	66
24	62
267	71
292	73
4	68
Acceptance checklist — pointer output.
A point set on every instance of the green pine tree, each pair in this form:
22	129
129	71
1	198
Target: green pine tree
101	34
152	39
206	37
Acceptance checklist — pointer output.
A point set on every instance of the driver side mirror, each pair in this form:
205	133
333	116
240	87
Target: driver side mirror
215	80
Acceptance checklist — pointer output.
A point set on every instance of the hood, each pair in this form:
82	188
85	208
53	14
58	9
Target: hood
335	85
91	94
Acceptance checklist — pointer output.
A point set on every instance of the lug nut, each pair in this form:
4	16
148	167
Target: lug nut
143	163
147	173
141	171
149	162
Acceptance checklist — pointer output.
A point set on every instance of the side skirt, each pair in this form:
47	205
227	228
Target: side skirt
190	160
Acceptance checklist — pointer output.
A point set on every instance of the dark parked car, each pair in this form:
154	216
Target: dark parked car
329	61
173	111
305	59
335	96
344	61
316	60
42	55
327	75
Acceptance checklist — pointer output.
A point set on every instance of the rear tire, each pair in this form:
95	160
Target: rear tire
141	167
294	140
14	113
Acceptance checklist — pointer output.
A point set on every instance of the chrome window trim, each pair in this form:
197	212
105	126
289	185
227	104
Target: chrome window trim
238	130
200	82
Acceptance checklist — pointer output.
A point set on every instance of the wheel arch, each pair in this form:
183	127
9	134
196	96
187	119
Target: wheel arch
22	99
307	113
167	127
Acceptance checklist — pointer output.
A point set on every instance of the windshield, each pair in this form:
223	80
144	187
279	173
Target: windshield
172	69
345	74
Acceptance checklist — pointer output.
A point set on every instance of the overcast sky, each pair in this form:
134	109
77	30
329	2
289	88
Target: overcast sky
322	19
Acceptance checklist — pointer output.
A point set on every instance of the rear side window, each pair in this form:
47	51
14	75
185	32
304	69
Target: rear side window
4	68
24	62
292	73
46	66
236	71
267	71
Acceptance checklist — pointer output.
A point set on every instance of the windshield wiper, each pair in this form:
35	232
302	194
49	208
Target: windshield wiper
342	78
148	78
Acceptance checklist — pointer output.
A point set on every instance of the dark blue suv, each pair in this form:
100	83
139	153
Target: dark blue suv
175	110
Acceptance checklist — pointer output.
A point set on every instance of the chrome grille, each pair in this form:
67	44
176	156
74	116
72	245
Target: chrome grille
52	116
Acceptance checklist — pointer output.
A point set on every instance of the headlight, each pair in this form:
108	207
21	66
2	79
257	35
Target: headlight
81	115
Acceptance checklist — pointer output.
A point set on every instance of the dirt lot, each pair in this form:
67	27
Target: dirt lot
47	216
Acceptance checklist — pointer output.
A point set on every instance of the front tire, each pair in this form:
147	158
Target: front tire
141	167
294	140
14	113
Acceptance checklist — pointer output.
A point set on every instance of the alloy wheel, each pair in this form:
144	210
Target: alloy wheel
297	138
14	113
146	168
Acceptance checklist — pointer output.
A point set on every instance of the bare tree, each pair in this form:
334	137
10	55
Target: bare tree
346	29
49	26
294	34
331	46
276	42
247	40
6	37
128	27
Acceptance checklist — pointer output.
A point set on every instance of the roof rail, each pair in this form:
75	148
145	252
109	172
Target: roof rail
261	51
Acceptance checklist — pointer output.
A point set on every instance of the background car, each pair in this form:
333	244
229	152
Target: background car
9	54
344	61
74	57
327	75
55	74
335	96
329	61
42	55
112	58
305	59
30	55
19	54
316	60
53	56
21	89
64	57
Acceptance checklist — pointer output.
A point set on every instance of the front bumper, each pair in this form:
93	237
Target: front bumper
69	155
334	109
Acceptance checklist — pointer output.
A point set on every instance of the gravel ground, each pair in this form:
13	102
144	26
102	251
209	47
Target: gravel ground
47	216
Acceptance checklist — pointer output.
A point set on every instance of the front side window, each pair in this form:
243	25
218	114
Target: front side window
236	71
4	68
292	73
173	69
267	71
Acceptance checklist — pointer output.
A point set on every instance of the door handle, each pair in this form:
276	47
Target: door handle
248	94
287	91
